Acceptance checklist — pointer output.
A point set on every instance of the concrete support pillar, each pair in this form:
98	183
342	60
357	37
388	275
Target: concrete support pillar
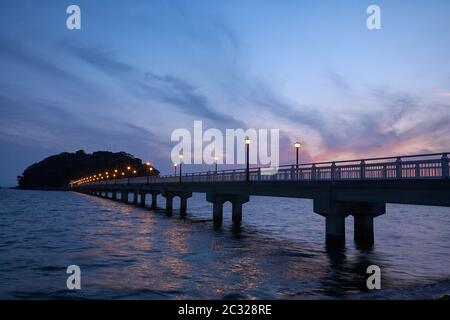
335	213
183	205
135	197
236	212
114	195
154	200
335	230
237	200
218	213
169	203
169	195
363	233
124	197
142	202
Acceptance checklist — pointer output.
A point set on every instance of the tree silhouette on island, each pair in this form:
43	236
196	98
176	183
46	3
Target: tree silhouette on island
58	170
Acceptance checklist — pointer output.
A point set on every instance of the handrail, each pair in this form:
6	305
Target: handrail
366	169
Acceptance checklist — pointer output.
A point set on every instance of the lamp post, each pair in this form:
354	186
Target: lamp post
247	158
128	175
150	169
216	158
181	164
115	175
175	169
297	146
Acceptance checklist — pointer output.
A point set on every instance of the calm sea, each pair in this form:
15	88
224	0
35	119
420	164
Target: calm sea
127	252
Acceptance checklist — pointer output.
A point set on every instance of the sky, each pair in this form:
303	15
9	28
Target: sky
138	70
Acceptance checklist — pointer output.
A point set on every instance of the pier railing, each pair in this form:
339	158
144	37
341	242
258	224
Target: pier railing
424	166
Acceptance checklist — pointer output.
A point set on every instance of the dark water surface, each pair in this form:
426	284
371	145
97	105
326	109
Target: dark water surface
126	252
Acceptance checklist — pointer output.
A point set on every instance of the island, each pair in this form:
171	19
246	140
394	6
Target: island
56	171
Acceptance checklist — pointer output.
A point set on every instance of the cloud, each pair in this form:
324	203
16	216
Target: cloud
338	80
14	51
445	94
398	120
28	120
168	89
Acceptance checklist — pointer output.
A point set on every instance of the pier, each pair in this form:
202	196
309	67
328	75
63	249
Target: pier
360	188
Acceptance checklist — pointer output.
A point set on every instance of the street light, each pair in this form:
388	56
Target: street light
297	146
115	176
216	158
150	169
175	168
247	151
128	174
181	164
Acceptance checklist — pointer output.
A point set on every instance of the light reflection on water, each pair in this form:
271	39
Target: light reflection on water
277	253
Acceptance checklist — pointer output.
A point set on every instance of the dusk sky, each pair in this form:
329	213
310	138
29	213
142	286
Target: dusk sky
138	70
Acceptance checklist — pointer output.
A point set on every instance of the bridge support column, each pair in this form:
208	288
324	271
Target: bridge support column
124	196
114	195
169	195
142	202
218	200
363	233
217	213
363	214
154	200
335	213
236	211
335	230
169	203
135	197
183	205
184	196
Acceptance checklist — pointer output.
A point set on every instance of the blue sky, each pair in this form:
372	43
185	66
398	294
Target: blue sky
138	70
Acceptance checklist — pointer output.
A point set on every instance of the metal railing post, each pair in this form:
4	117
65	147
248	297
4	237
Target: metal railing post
444	164
333	171
362	169
398	168
417	170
